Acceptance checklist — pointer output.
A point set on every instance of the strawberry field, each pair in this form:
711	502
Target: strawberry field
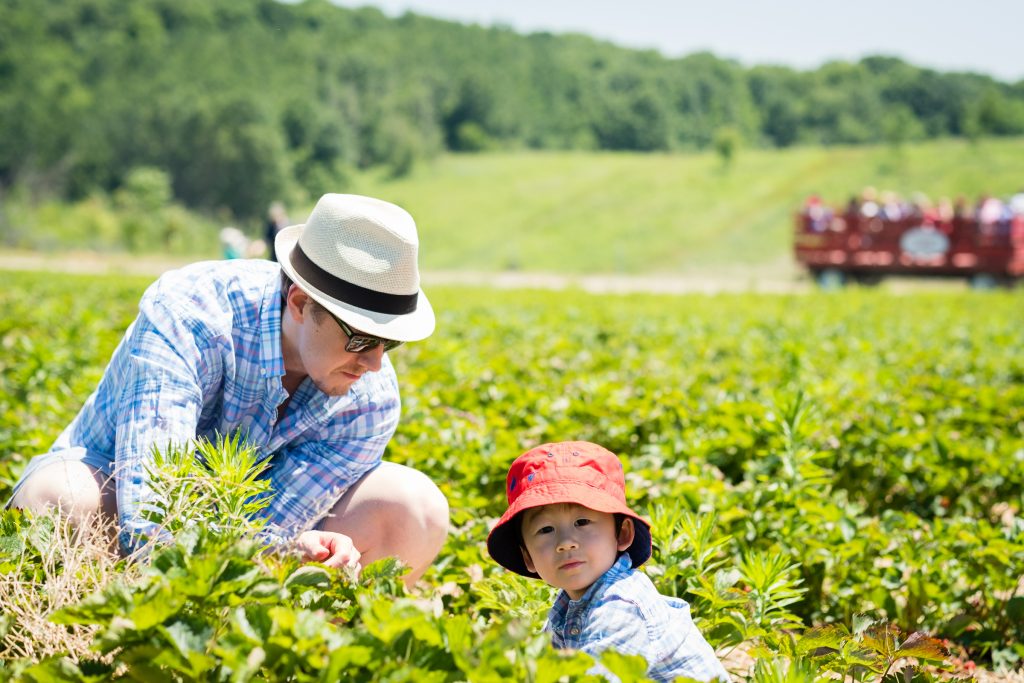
835	482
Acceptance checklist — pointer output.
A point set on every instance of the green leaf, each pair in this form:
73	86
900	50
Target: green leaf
237	576
554	666
1015	609
882	638
629	668
922	647
189	638
831	636
157	605
861	623
97	608
51	670
308	575
253	622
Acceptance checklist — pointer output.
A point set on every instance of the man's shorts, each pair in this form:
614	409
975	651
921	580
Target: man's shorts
74	454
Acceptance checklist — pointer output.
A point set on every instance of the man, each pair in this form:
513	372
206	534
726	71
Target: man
295	355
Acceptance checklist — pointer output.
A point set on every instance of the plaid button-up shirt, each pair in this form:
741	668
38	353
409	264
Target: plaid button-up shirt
623	611
204	358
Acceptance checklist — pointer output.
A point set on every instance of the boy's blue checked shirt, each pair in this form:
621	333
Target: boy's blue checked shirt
623	611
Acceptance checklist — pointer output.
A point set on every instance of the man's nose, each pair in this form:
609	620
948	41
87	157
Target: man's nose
372	358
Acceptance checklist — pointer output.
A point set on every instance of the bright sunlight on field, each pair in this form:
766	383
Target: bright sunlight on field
846	462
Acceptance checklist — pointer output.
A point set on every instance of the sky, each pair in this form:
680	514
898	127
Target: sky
984	36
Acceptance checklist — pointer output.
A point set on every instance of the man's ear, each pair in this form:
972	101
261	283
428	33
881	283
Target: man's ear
296	301
626	533
527	560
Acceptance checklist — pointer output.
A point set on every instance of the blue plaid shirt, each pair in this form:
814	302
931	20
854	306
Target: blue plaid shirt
204	358
623	611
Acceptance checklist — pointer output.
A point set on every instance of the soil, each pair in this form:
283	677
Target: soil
774	278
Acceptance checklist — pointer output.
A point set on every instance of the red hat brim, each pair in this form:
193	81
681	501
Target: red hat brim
504	541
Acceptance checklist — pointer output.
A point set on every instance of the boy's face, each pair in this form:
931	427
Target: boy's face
571	546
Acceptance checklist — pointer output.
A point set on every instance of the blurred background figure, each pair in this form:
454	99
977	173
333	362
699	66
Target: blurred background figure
891	207
277	220
945	214
819	215
1017	202
233	242
989	209
922	210
868	205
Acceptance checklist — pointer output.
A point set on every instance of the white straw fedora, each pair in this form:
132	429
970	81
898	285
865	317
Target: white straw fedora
356	256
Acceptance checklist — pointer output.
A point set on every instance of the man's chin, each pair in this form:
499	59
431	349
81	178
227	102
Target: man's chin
334	389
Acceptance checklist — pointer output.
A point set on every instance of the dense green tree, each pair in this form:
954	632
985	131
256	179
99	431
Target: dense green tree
779	95
229	156
709	93
243	101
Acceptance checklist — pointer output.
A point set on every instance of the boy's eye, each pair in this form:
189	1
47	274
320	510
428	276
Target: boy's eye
582	521
545	530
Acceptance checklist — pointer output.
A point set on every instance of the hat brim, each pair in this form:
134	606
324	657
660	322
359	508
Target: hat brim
504	541
406	327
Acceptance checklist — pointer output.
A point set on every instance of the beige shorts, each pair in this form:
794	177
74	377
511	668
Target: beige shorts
98	461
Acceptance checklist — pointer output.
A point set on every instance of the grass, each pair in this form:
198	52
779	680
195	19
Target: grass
61	567
601	213
630	213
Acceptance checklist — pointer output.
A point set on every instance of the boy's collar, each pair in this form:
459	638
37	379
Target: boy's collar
622	567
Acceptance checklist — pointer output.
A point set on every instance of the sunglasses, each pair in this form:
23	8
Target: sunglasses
359	342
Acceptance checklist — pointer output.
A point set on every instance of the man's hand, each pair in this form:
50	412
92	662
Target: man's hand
328	548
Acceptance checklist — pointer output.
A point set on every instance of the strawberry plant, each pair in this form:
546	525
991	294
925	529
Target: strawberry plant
810	464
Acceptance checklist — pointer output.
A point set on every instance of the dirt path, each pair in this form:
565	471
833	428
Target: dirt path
735	280
774	278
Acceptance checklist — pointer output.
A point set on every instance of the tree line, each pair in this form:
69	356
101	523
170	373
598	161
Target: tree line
238	102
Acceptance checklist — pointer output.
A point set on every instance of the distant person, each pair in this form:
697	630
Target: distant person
818	215
233	243
1017	203
891	208
990	212
960	210
922	210
945	209
988	209
852	206
868	202
277	220
295	356
568	524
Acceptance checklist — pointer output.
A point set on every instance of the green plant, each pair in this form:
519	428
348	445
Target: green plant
778	444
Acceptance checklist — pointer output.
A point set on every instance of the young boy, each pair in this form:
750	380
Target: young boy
568	523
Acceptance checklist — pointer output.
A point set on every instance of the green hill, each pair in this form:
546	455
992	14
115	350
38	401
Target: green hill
577	213
239	102
662	213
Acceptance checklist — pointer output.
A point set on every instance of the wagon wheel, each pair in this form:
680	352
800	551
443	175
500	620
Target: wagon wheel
830	278
983	281
868	279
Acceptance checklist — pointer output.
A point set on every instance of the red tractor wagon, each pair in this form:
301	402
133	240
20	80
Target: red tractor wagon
866	245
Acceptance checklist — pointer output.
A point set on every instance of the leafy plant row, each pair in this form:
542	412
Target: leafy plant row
826	475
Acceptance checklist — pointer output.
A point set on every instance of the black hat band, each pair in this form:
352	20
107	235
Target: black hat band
336	288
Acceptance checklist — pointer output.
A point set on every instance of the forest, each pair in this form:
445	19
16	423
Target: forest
229	103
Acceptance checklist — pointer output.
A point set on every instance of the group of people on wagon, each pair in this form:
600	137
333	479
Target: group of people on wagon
872	210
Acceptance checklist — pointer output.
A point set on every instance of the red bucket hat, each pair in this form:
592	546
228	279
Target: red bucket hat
566	472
